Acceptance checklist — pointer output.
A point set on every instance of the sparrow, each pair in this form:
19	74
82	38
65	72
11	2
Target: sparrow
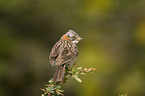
64	53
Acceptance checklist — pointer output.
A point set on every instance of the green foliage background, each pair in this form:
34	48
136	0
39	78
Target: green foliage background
113	33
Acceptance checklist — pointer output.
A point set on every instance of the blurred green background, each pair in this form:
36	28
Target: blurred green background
113	33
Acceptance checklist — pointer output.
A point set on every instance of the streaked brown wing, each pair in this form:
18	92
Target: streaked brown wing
55	52
69	52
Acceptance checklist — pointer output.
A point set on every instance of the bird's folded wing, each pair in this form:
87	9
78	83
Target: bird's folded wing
55	52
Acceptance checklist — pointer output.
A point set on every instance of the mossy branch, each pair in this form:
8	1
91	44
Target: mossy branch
53	88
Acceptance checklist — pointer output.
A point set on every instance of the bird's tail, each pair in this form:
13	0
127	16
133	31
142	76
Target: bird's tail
59	74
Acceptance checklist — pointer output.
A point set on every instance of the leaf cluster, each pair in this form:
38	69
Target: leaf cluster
53	88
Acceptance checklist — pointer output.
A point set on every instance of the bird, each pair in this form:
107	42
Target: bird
64	53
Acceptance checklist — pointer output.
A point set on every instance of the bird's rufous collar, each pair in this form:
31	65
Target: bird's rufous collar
65	37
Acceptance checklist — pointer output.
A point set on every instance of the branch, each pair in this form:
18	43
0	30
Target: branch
53	88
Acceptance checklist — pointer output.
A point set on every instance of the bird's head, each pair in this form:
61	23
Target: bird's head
73	36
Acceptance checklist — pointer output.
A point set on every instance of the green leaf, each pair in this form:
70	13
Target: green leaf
79	68
83	73
61	90
85	69
51	81
42	95
78	79
57	93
